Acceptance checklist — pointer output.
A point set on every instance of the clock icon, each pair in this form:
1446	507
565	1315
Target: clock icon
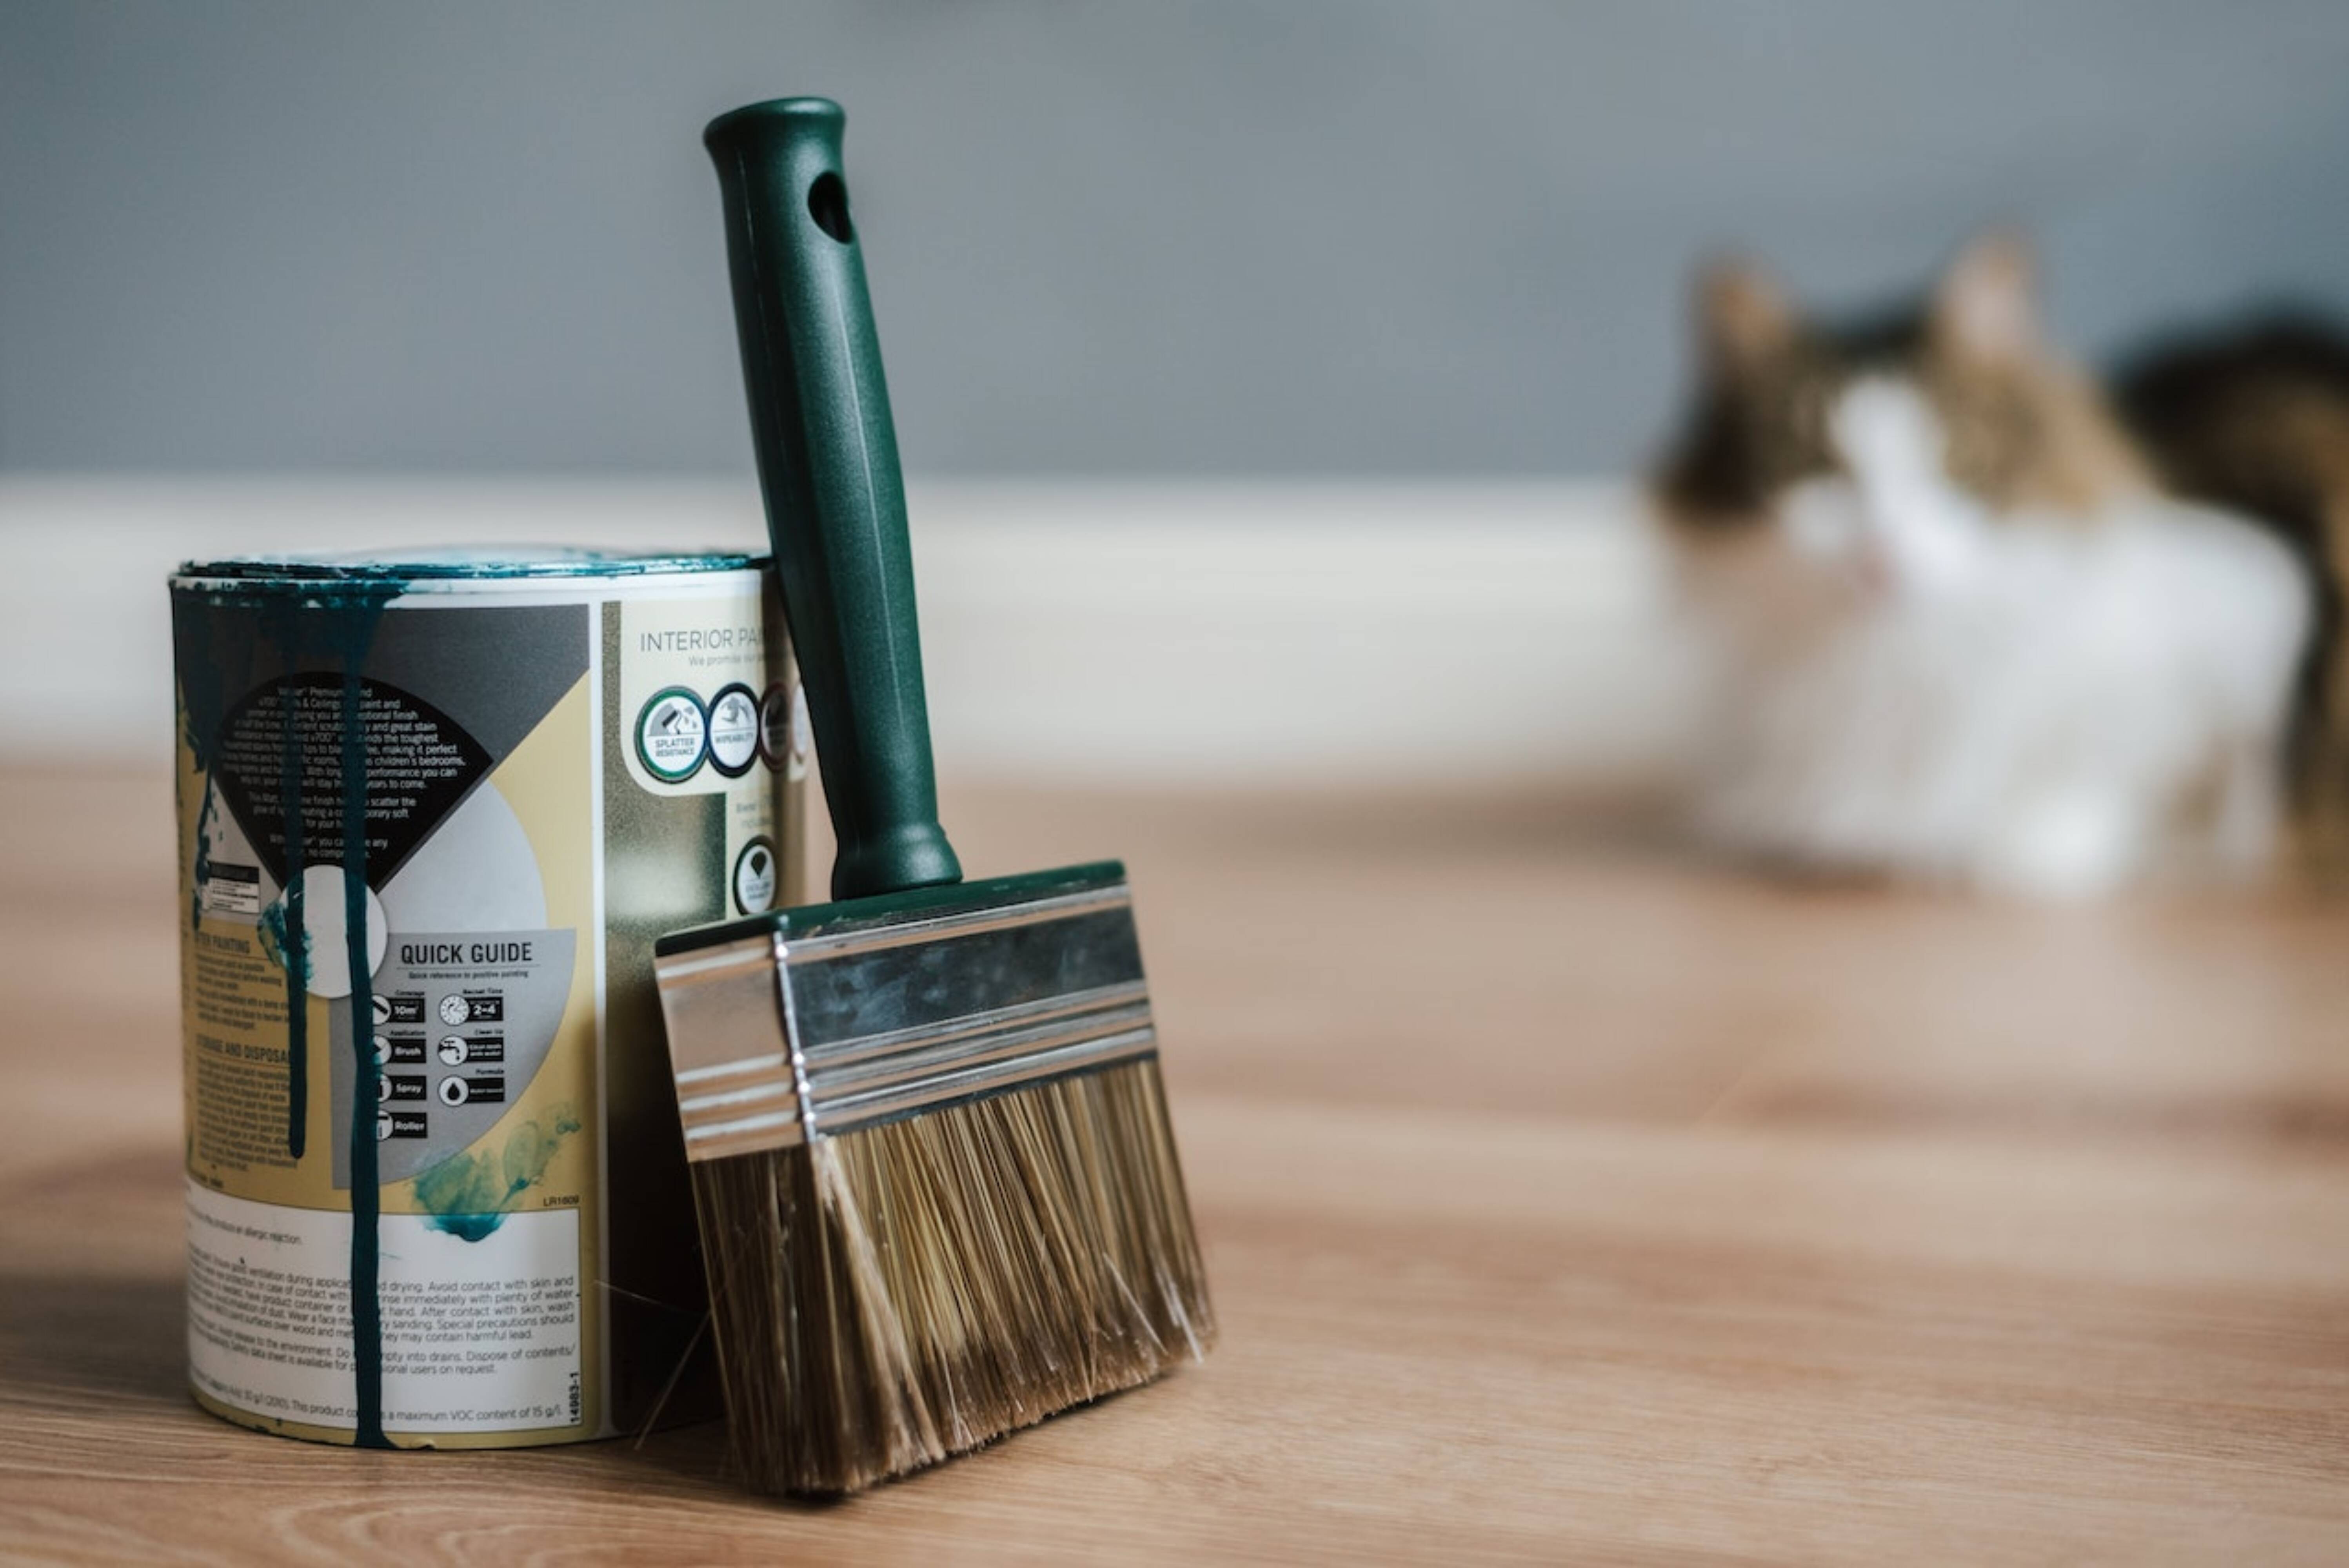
455	1010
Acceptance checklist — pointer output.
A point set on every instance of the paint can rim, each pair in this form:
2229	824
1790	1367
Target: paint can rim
423	570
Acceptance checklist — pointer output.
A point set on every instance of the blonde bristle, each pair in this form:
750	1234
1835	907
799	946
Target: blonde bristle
900	1293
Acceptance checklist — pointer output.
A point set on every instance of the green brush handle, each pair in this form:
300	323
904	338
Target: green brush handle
835	502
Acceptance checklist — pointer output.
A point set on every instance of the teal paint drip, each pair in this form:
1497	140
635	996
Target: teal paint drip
204	868
210	675
293	943
367	1093
349	608
283	623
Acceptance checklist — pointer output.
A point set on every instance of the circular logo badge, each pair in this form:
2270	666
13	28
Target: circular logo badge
755	875
673	735
775	726
455	1091
733	731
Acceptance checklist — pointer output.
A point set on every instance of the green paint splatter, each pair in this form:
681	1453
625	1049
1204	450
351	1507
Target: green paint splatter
204	871
279	939
469	1194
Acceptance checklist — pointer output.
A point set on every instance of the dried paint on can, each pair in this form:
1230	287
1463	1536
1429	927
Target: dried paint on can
433	814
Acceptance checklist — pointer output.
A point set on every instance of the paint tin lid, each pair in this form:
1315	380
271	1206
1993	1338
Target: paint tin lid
421	570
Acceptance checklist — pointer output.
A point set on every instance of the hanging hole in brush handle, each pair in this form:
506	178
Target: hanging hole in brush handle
828	205
827	452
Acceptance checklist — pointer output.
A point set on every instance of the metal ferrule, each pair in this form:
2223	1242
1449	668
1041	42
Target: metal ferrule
781	1037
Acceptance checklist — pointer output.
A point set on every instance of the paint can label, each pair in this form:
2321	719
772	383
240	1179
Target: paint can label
430	831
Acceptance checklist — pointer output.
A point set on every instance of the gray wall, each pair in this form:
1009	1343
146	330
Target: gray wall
1326	237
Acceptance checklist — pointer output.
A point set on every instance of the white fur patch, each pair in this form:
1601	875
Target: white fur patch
2051	705
1892	518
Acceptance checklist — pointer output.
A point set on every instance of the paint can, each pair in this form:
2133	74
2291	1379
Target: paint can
433	814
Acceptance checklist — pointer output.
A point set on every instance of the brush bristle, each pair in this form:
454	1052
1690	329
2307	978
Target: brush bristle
900	1293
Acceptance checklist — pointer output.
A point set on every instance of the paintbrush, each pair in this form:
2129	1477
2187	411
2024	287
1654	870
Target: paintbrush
937	1186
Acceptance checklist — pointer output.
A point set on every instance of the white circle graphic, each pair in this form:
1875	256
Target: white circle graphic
734	731
326	928
672	735
476	872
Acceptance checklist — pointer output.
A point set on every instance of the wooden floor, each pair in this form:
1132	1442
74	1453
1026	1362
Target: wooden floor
1563	1200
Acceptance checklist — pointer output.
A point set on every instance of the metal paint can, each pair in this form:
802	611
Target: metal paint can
433	813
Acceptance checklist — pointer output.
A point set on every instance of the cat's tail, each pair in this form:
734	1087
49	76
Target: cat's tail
2255	418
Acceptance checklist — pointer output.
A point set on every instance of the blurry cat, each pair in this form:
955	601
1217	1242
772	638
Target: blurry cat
1972	626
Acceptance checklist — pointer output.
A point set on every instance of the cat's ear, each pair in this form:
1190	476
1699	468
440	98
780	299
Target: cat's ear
1743	316
1987	306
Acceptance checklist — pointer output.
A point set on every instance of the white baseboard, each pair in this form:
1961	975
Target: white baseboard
1182	635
